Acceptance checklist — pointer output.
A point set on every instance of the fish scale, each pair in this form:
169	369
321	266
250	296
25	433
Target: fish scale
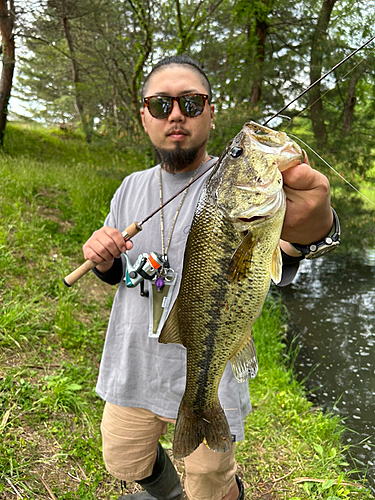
231	254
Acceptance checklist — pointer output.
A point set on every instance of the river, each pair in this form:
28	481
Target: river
332	320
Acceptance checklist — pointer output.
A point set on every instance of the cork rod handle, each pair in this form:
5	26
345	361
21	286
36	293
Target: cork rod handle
74	276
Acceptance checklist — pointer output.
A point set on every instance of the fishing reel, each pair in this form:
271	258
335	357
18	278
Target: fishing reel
145	268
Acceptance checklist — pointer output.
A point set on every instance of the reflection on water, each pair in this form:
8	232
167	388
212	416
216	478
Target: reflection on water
332	312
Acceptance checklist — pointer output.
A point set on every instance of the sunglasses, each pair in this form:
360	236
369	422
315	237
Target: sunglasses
160	106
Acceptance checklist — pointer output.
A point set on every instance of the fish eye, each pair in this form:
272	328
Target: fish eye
236	152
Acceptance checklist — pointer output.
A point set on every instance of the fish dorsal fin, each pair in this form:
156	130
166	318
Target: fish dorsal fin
277	265
170	333
241	259
244	362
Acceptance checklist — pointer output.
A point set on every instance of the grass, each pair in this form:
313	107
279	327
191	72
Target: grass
55	191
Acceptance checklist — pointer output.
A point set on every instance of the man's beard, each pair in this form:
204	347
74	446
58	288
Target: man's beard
177	159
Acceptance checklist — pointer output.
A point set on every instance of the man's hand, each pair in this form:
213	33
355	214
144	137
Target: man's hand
103	246
308	215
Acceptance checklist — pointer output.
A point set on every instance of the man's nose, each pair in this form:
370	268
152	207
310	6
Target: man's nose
176	113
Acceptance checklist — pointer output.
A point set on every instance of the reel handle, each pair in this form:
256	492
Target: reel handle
74	276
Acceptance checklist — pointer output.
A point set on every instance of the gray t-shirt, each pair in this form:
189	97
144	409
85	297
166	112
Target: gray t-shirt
136	370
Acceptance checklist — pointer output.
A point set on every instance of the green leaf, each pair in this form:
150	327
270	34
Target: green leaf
328	484
333	453
319	449
74	387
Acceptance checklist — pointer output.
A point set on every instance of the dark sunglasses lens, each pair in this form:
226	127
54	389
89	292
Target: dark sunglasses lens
192	105
160	107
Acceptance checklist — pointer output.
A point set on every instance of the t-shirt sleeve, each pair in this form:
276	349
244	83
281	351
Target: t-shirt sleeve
290	268
114	275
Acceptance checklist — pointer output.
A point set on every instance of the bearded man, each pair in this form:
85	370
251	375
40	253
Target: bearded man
141	380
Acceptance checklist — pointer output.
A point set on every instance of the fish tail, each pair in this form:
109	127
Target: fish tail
208	426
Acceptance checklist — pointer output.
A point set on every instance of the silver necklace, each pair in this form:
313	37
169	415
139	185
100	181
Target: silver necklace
165	266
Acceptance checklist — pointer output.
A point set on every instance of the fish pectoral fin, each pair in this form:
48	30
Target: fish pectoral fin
277	265
170	333
244	362
241	259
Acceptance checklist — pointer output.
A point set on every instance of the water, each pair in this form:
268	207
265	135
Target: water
333	316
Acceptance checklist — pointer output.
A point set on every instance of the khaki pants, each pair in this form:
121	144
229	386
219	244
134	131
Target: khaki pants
130	439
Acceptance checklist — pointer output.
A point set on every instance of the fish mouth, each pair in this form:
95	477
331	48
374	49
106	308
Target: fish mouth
252	219
271	141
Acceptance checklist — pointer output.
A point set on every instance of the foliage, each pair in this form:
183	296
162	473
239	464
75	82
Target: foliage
256	54
110	41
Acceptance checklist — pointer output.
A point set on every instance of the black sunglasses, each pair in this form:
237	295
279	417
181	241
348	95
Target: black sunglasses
160	106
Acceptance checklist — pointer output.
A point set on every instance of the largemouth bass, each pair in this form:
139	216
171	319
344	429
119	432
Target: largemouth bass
231	254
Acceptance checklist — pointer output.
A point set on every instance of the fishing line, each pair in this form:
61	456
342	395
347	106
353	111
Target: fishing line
134	228
290	120
329	90
330	166
274	116
320	79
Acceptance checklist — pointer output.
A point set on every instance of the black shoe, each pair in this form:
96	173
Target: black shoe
241	496
163	484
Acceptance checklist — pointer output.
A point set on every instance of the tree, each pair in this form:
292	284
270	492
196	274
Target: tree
258	56
258	17
79	100
318	47
106	43
350	101
189	23
7	20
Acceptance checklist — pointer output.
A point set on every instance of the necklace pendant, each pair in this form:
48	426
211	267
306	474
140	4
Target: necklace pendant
159	283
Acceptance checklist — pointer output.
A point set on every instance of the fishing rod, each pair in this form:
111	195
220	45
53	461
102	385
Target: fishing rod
127	234
136	227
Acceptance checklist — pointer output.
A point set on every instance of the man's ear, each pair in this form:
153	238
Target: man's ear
212	110
142	111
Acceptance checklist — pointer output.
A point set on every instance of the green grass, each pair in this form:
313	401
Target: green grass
55	191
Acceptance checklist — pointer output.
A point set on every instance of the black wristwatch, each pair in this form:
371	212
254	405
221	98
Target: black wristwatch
323	246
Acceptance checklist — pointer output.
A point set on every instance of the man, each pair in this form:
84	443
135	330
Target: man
141	380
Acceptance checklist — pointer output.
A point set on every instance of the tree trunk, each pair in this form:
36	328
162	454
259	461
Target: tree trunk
351	98
78	100
143	18
350	105
261	30
181	29
7	17
316	64
187	29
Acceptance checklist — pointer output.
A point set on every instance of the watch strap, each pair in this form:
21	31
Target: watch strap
319	248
